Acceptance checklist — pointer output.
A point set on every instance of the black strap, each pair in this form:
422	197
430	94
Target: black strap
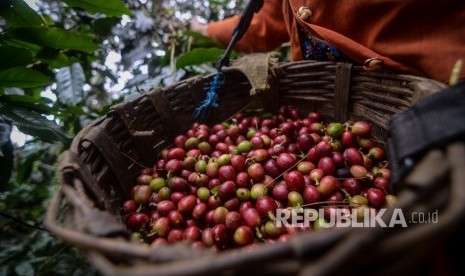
241	28
202	112
431	123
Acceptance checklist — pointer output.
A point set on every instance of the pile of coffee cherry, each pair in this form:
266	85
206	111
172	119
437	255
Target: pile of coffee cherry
220	186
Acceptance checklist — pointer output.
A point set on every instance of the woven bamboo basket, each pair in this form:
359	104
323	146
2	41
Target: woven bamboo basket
101	166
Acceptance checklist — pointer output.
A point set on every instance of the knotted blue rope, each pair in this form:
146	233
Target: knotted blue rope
202	112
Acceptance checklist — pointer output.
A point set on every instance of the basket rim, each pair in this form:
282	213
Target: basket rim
294	247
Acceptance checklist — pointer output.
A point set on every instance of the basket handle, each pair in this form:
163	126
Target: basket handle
71	167
77	182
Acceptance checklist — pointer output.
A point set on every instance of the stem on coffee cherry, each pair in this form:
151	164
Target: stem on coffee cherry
287	170
330	203
259	234
139	209
347	195
134	161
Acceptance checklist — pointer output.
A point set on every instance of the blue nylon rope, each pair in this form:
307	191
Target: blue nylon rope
202	112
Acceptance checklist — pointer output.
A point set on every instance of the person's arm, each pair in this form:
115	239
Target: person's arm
267	30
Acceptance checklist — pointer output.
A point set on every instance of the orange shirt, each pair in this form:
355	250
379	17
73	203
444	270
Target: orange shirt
421	37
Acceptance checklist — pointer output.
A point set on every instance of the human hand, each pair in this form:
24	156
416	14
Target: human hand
197	26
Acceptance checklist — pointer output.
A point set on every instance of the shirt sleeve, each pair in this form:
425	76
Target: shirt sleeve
266	32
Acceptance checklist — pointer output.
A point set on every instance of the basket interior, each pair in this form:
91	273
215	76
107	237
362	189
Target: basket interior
115	148
108	155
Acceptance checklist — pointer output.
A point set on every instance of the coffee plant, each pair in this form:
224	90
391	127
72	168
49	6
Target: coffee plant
62	65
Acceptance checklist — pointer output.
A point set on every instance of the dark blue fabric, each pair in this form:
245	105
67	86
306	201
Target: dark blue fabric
316	49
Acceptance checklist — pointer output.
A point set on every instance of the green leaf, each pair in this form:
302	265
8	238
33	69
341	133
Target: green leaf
199	56
54	58
200	40
72	111
6	152
34	124
26	101
103	26
22	44
5	131
108	7
22	77
25	167
18	14
214	2
70	83
13	56
54	38
24	269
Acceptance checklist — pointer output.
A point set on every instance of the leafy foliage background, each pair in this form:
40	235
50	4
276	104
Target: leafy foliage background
62	65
